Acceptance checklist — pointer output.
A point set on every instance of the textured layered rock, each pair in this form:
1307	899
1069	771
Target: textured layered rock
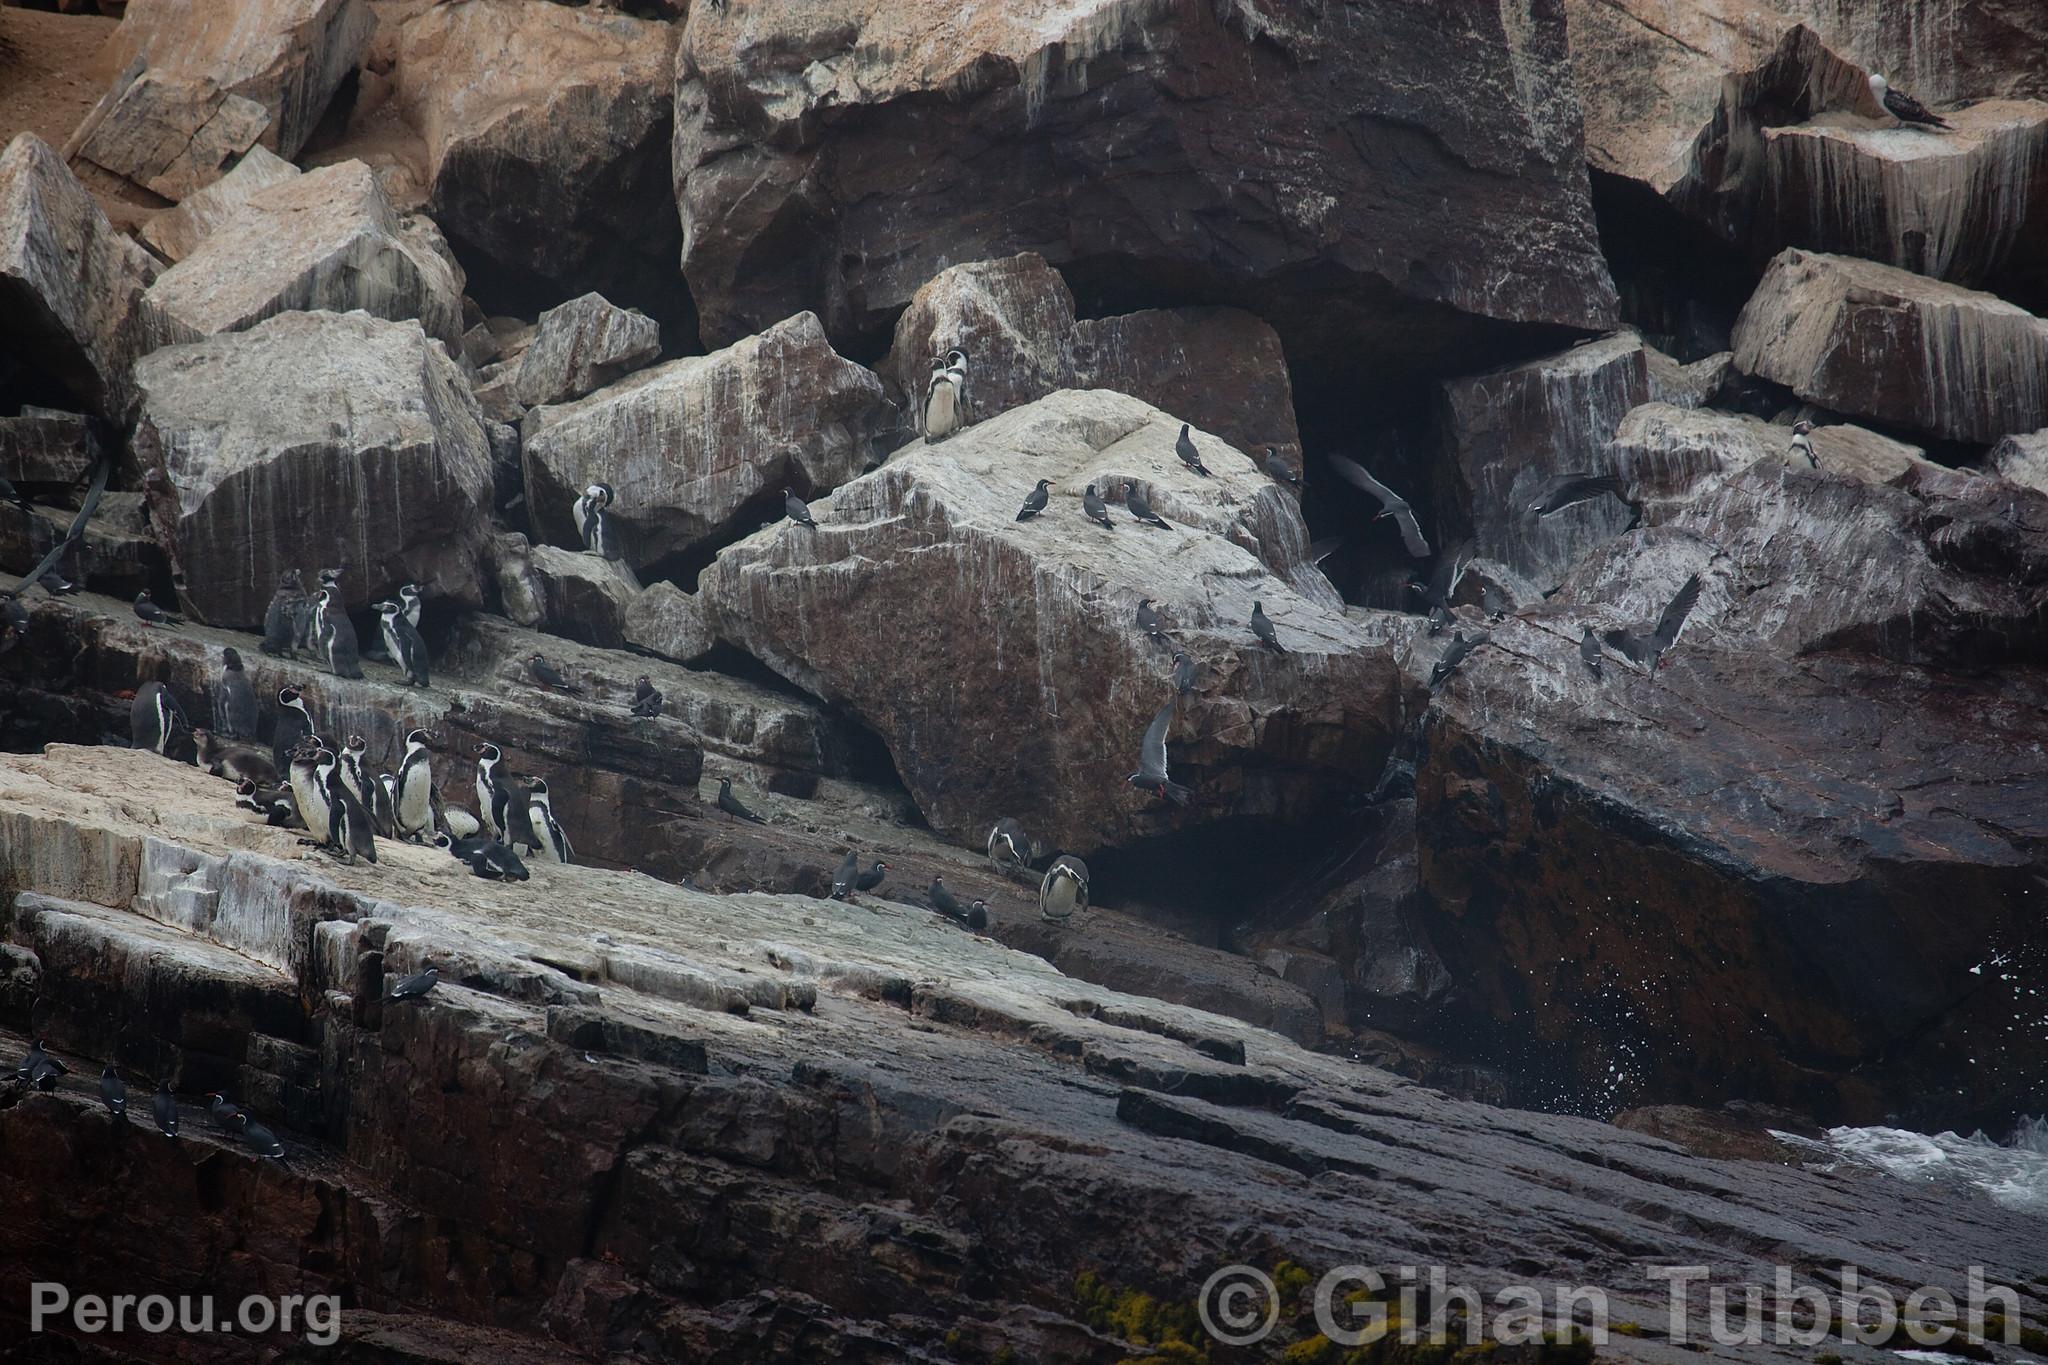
285	56
663	619
668	1079
2022	459
1000	660
172	133
116	555
326	241
176	233
1959	206
43	445
564	592
71	287
582	345
1940	52
547	131
1512	430
693	446
1807	819
1874	341
313	439
1131	144
1669	454
1219	368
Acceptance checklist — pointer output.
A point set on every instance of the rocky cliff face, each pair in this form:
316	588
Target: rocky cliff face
1705	801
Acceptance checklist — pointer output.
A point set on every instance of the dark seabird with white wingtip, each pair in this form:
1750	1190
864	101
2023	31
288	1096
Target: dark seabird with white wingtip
1035	500
1140	507
872	878
1263	628
1096	508
1454	654
1647	648
416	985
646	698
730	804
1569	490
1183	673
797	509
1392	504
114	1092
150	614
1151	775
849	872
165	1105
1149	622
1189	456
1280	471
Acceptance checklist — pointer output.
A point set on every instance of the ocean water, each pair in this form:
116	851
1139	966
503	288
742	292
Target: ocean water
2014	1173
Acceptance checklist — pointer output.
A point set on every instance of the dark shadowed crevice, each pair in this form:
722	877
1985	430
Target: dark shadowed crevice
1681	287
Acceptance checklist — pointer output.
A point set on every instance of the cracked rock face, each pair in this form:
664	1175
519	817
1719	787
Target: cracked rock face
313	439
1130	142
1001	661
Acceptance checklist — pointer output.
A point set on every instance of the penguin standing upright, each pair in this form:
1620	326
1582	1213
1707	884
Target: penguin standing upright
154	718
337	636
403	642
349	832
409	599
281	618
412	798
491	794
540	813
945	396
1064	889
307	791
234	700
520	831
294	723
353	751
306	624
594	523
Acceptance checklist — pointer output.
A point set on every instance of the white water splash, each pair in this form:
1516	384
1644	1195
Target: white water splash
2014	1174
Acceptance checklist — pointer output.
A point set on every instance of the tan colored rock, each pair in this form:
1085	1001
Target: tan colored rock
1873	341
176	233
287	56
834	155
313	439
71	287
547	136
1938	52
1959	205
663	619
583	345
172	133
1001	661
691	446
326	241
563	592
1220	369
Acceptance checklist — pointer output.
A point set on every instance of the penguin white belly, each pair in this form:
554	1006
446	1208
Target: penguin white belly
941	412
415	805
461	824
312	804
554	845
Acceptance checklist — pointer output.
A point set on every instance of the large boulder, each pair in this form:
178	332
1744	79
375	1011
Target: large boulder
1219	368
1939	52
326	241
692	447
1814	828
287	57
71	287
43	445
564	592
547	131
313	439
1875	341
1959	206
1001	661
836	154
582	345
2022	459
176	233
1668	454
171	133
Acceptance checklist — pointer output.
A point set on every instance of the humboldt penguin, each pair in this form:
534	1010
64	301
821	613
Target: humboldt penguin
594	523
646	698
1140	507
337	636
234	700
1903	106
275	804
294	723
165	1105
799	511
487	858
1064	889
1647	647
1263	628
349	831
492	795
730	804
553	841
281	617
410	599
1035	500
849	873
416	985
1009	847
547	675
354	772
945	396
403	643
520	831
154	718
1392	504
236	762
412	795
309	792
1097	510
1802	444
113	1092
872	878
150	614
1151	775
1189	456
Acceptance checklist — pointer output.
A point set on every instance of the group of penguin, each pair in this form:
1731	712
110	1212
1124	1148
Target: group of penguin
297	623
42	1072
330	791
1061	891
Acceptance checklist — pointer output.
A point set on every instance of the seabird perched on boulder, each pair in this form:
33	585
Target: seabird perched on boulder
150	614
234	700
1454	654
843	880
1183	673
547	675
798	510
1443	583
258	1139
730	804
222	1110
1140	507
1151	775
872	878
1010	847
1096	508
1263	628
945	396
165	1105
416	985
1589	650
1189	456
646	698
594	523
337	635
1903	106
1035	500
410	601
39	1068
1149	622
1280	471
403	642
1063	889
1392	504
1648	647
1802	444
113	1092
1569	490
946	903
